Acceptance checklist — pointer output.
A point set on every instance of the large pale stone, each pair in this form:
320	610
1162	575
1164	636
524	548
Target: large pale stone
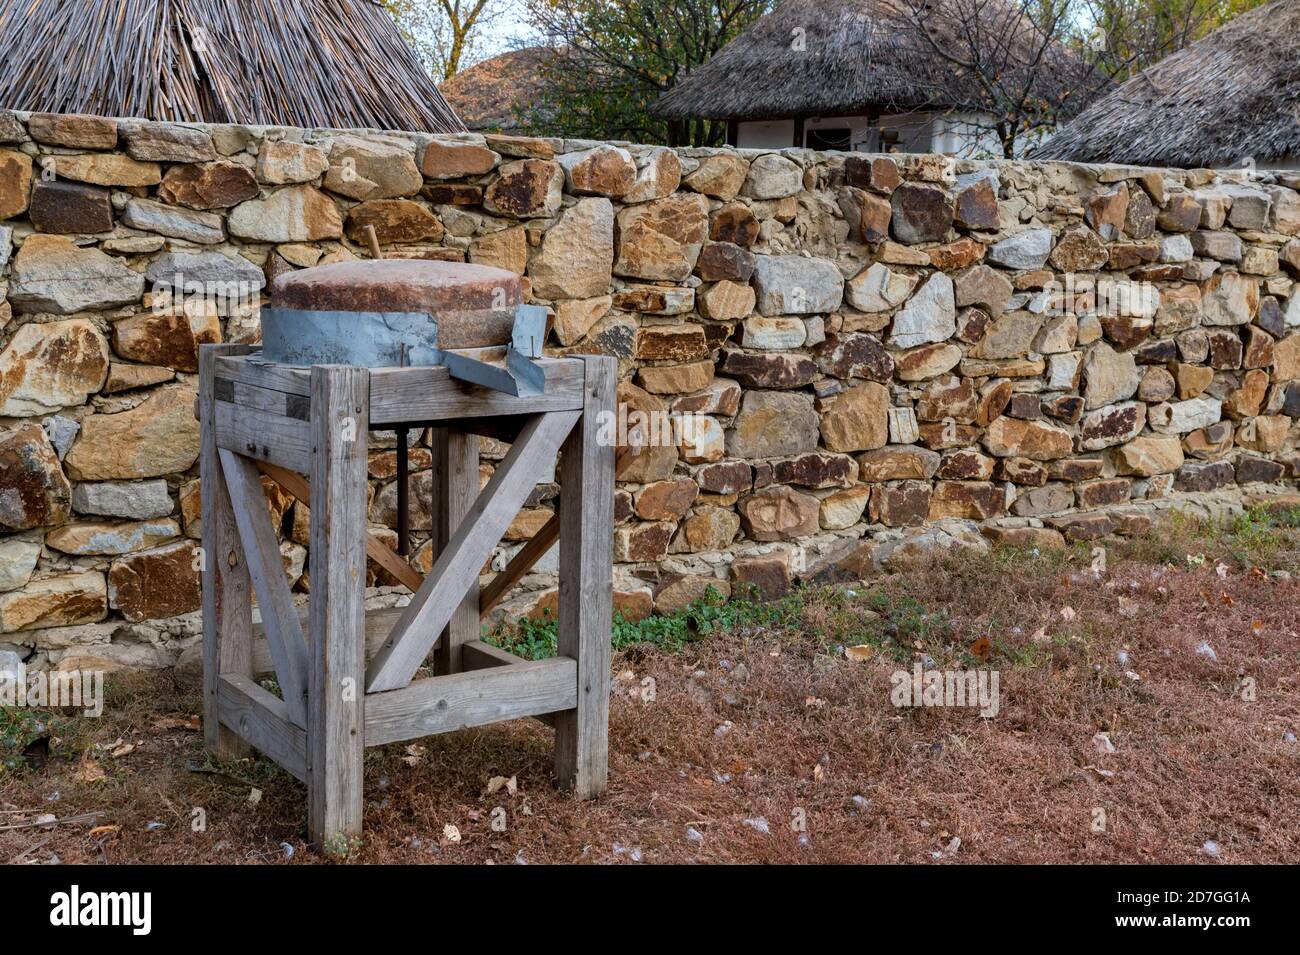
292	214
659	173
577	253
1009	336
372	169
929	316
773	424
983	286
1230	299
795	285
773	177
138	500
1149	455
159	436
18	558
73	130
211	275
1024	251
1110	376
452	159
51	366
33	489
283	163
1010	437
857	419
107	169
600	171
60	601
50	274
724	301
927	361
110	538
896	463
721	176
879	289
573	319
394	221
203	228
1182	417
506	249
167	142
662	239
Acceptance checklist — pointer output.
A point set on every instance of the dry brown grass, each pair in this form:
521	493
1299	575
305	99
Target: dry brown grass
806	731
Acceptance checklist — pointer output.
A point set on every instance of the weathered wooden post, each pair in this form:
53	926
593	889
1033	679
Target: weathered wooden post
394	345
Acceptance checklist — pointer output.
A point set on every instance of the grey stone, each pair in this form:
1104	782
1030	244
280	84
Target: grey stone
18	558
796	285
50	274
773	177
140	500
205	267
62	431
1023	251
204	228
929	316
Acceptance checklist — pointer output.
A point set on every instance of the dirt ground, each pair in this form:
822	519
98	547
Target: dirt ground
762	741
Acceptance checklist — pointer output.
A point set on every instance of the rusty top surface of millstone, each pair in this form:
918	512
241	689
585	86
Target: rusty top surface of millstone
473	305
397	285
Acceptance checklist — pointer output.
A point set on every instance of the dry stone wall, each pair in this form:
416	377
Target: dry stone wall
853	356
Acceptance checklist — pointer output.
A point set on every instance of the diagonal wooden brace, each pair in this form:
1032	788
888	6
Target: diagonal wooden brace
376	550
417	630
284	637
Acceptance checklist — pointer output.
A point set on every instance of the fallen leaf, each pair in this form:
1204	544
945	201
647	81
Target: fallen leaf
497	783
450	834
861	653
981	647
1067	613
89	771
254	796
105	830
123	750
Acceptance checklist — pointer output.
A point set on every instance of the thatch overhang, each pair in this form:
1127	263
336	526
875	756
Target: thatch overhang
1231	96
846	57
313	63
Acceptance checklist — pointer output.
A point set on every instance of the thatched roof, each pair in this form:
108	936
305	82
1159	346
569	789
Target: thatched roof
323	63
488	95
860	55
1230	95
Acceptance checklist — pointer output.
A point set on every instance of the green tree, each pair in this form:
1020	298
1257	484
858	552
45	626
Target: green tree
614	58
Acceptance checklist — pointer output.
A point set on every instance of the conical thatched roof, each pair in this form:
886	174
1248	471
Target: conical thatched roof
858	55
488	94
327	63
1231	95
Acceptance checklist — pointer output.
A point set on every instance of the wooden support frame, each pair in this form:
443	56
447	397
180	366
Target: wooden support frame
306	429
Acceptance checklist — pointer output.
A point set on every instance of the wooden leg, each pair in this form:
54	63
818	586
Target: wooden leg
457	486
586	600
227	601
336	686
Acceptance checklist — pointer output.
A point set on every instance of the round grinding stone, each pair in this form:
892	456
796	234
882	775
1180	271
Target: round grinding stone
473	305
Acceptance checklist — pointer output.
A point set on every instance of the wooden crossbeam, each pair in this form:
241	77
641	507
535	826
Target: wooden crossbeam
459	563
376	550
261	719
443	704
284	635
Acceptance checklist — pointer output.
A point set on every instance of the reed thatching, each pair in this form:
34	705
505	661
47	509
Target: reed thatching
1232	95
862	55
326	63
490	95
